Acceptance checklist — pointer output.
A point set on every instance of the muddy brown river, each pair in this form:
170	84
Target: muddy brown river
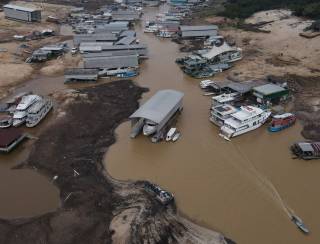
242	188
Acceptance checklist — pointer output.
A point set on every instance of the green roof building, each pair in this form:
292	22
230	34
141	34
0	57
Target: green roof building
270	93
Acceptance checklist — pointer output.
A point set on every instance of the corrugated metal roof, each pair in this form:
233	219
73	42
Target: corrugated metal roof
112	62
214	51
126	40
76	71
268	89
203	33
111	53
198	27
128	33
27	9
159	105
94	37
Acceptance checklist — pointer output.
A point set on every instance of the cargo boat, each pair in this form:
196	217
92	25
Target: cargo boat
282	121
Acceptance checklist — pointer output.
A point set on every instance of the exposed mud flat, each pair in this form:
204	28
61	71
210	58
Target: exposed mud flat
94	207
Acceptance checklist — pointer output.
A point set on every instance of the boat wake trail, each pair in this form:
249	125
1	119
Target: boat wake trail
271	190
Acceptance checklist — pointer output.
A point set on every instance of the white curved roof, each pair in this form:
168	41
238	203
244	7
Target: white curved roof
159	105
214	51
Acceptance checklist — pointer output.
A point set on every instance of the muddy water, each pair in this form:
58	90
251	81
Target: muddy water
241	188
26	192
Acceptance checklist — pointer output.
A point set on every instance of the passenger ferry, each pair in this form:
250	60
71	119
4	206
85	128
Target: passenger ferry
247	119
282	121
21	112
38	111
220	113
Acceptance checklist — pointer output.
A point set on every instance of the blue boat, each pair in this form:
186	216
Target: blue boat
127	74
281	122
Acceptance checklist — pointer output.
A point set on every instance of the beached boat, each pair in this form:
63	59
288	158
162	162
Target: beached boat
21	112
38	111
306	150
299	223
248	118
282	121
5	121
161	195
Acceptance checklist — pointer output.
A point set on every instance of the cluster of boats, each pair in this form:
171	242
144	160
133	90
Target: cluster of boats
237	120
28	109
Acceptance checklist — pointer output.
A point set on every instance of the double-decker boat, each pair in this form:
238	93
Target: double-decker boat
248	118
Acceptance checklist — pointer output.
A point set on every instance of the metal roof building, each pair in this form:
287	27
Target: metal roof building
198	27
111	62
21	13
198	31
128	33
78	74
270	92
113	53
126	40
243	87
125	15
117	26
105	37
159	106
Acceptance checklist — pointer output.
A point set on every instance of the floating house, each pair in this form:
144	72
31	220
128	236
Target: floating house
112	62
270	93
10	138
126	15
20	13
105	37
78	74
154	116
198	31
223	53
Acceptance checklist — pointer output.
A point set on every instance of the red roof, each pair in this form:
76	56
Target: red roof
8	136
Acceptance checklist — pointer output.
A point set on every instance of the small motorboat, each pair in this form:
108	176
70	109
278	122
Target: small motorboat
176	136
282	121
170	134
299	223
127	74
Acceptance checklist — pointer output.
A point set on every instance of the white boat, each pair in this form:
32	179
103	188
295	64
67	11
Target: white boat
149	128
205	83
38	111
151	29
225	98
247	119
176	137
171	133
5	121
299	223
220	113
20	114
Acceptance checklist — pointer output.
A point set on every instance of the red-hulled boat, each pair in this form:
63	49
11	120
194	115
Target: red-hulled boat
282	121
